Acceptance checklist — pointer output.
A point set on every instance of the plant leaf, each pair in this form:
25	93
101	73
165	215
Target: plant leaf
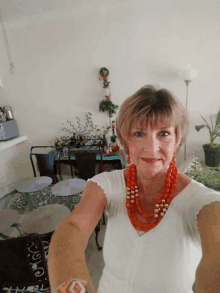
206	122
211	122
218	119
198	127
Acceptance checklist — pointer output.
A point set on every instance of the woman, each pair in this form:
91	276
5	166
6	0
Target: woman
152	241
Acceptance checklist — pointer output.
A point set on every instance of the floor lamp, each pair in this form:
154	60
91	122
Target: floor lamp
187	81
187	74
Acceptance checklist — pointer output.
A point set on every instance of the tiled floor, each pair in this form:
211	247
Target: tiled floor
94	257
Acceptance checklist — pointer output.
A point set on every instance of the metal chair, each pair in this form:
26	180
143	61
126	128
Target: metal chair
86	166
23	265
86	160
45	168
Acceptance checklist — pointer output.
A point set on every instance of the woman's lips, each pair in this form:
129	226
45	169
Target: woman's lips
150	161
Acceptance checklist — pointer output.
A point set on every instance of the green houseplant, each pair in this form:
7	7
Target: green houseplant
211	150
107	105
210	178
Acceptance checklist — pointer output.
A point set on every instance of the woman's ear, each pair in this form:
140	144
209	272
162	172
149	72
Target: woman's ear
178	142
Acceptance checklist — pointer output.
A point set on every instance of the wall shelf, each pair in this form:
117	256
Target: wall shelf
11	142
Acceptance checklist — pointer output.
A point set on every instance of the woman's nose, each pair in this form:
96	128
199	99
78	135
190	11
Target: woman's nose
151	145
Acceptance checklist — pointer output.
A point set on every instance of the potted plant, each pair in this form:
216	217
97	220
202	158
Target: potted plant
212	150
210	178
107	105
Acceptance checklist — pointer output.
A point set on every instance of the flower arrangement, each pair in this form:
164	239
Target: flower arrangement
90	131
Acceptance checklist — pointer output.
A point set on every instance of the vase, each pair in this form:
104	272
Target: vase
72	141
105	142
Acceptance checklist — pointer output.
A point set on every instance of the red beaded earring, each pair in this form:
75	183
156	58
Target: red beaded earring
174	158
128	160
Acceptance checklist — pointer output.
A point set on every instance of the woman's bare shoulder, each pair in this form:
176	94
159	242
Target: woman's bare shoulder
184	180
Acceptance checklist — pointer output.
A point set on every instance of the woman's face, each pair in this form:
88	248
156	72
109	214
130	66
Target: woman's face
147	143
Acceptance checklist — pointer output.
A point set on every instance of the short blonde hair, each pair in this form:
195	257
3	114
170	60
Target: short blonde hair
154	106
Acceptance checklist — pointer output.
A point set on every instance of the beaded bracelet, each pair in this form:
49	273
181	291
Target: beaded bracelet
74	285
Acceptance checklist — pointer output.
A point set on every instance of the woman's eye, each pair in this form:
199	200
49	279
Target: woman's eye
165	132
138	132
142	133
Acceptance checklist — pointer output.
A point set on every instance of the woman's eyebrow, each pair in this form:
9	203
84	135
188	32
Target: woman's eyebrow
166	127
142	128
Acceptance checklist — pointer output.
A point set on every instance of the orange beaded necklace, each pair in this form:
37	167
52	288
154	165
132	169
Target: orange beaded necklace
162	203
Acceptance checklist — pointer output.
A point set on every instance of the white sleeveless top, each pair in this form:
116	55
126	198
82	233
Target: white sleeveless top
163	260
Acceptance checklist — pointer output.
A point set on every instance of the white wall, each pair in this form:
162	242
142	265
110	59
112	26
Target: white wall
58	56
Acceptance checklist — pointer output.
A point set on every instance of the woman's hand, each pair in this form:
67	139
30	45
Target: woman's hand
77	285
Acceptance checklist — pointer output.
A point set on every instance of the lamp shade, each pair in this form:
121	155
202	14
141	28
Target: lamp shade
188	73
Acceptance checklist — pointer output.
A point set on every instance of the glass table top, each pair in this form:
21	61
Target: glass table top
25	203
